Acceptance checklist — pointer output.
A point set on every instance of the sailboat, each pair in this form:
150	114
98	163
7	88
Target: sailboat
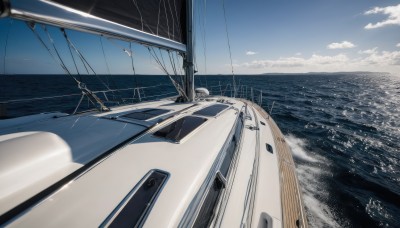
197	160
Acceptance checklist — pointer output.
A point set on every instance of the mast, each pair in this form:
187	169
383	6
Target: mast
189	79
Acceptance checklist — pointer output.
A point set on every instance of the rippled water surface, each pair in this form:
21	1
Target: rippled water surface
343	129
344	132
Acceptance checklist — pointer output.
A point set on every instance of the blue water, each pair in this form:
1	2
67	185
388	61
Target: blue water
343	129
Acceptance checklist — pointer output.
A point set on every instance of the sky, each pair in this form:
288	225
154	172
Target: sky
265	36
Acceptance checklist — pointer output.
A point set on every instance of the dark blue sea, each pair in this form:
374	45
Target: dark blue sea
343	129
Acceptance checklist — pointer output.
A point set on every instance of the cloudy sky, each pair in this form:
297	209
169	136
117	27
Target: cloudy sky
310	35
265	36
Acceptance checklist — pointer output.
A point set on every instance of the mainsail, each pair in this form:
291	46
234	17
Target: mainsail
159	23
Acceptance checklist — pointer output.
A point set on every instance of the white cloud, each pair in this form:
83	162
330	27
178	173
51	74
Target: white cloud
398	45
342	45
371	60
384	58
393	16
298	53
369	51
250	53
293	62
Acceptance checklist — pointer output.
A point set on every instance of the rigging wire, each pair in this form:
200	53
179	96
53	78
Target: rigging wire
132	63
32	28
85	62
204	22
171	59
229	47
55	48
105	58
6	44
200	14
164	69
131	55
108	70
70	51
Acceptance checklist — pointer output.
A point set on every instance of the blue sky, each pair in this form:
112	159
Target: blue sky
265	36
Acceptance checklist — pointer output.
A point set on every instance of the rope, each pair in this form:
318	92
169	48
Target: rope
229	47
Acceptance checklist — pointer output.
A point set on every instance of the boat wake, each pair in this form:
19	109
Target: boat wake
312	170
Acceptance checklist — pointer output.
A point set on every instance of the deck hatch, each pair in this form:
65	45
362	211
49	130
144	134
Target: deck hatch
179	129
145	114
212	110
138	203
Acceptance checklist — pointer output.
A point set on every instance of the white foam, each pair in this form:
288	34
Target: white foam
311	176
297	145
321	215
375	210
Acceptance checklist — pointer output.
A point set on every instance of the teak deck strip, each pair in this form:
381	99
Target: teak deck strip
293	213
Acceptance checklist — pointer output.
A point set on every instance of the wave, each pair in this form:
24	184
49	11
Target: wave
311	172
297	146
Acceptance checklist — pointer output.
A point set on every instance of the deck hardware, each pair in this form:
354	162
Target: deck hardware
212	110
252	127
145	114
134	208
262	123
269	148
179	129
221	179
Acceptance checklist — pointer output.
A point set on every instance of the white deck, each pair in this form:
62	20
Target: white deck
89	198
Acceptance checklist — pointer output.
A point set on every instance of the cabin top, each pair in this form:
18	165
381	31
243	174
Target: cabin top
162	157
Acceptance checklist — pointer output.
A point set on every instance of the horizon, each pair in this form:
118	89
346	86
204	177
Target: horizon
227	74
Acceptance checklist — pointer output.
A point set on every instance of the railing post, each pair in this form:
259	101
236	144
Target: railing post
270	111
252	95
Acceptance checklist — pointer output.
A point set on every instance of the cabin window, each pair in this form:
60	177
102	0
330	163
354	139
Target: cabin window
145	114
177	130
230	151
212	110
138	203
207	210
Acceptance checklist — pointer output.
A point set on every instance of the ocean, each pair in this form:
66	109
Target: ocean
343	130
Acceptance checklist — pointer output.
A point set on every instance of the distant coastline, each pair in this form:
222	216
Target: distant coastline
262	74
